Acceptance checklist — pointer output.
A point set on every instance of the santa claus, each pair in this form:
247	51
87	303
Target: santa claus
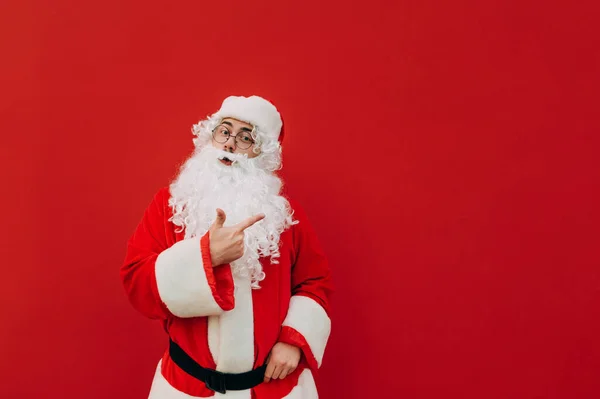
232	268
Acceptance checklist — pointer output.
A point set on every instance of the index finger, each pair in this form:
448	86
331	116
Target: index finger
249	222
269	370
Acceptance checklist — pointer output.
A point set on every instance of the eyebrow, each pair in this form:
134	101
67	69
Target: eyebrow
242	129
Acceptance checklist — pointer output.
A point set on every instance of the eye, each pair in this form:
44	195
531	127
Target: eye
246	138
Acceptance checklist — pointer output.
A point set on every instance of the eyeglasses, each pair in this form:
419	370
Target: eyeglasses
243	140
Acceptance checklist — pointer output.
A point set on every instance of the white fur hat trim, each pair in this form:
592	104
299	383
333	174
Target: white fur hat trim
253	110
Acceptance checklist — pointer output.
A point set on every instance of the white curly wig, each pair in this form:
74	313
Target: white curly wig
268	147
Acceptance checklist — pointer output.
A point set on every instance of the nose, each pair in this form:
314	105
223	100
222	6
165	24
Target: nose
229	145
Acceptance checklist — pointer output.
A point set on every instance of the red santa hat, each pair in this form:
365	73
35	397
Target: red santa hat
256	111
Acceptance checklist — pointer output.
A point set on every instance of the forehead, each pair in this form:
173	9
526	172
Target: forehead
237	124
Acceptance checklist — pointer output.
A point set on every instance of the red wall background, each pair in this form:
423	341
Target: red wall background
446	152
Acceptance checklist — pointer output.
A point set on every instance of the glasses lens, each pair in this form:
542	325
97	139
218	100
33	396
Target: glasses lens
244	140
221	134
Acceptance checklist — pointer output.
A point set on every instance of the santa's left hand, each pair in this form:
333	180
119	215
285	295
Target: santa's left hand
282	361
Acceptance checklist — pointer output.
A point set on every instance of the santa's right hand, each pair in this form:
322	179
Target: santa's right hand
227	243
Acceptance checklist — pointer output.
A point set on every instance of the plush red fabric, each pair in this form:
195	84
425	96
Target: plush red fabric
302	270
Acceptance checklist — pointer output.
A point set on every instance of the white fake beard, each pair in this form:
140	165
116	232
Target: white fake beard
241	190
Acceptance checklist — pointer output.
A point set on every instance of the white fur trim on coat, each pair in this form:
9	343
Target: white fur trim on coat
309	318
231	335
182	282
306	388
161	389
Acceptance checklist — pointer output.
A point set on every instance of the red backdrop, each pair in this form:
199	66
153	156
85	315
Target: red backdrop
446	153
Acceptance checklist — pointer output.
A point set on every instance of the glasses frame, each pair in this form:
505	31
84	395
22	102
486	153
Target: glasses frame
235	140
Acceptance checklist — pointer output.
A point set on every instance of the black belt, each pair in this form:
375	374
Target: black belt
215	380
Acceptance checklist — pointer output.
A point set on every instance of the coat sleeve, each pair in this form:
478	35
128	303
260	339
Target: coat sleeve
307	324
164	278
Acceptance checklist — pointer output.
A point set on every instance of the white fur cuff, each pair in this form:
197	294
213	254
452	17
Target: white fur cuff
182	281
308	318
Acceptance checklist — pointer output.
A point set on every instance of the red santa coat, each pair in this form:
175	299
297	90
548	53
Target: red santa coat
216	317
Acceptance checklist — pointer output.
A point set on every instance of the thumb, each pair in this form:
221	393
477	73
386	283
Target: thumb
220	220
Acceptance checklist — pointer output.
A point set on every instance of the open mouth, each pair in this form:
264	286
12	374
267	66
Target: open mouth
226	161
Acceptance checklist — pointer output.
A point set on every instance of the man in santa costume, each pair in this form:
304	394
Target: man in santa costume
232	268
